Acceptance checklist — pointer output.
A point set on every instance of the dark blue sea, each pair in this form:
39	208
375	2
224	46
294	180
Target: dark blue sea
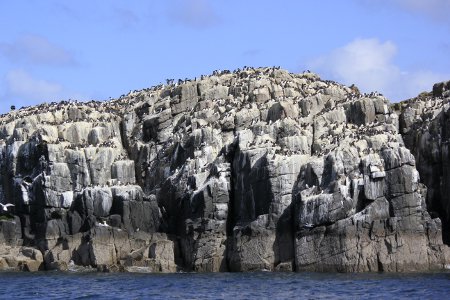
263	285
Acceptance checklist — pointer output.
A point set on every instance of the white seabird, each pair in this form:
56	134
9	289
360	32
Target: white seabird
5	206
103	224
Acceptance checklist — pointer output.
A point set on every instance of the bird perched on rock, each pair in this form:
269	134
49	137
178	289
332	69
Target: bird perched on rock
103	224
308	225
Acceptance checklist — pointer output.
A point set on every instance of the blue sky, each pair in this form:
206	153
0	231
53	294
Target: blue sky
92	49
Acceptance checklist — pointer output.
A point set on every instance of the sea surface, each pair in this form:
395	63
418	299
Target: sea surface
260	285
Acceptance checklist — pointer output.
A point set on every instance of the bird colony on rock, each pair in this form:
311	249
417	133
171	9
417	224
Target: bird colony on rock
256	169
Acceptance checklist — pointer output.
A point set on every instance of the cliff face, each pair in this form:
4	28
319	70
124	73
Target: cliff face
249	170
425	125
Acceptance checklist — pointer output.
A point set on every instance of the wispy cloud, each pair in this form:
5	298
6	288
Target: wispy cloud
22	84
436	10
34	49
198	14
126	17
23	88
64	8
369	64
445	47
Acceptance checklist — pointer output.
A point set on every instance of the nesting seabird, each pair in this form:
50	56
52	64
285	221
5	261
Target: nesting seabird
103	224
308	225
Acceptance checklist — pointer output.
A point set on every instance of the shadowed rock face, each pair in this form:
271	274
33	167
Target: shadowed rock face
238	171
425	125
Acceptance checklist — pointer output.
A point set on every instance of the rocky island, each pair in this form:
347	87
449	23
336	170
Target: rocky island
255	169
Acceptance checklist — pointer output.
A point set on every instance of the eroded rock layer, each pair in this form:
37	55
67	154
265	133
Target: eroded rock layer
239	171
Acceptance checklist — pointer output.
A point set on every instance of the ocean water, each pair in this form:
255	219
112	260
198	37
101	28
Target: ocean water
260	285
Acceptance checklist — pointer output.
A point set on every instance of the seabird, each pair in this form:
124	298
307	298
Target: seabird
5	206
103	224
308	225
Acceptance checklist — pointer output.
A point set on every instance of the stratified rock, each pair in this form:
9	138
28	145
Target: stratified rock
257	169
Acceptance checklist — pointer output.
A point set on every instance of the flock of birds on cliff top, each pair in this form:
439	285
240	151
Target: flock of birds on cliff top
113	107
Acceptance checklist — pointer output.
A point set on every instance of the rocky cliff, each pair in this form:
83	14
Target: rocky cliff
238	171
425	126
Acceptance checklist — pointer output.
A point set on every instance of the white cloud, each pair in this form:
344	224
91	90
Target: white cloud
366	61
21	84
197	14
369	64
35	49
22	89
